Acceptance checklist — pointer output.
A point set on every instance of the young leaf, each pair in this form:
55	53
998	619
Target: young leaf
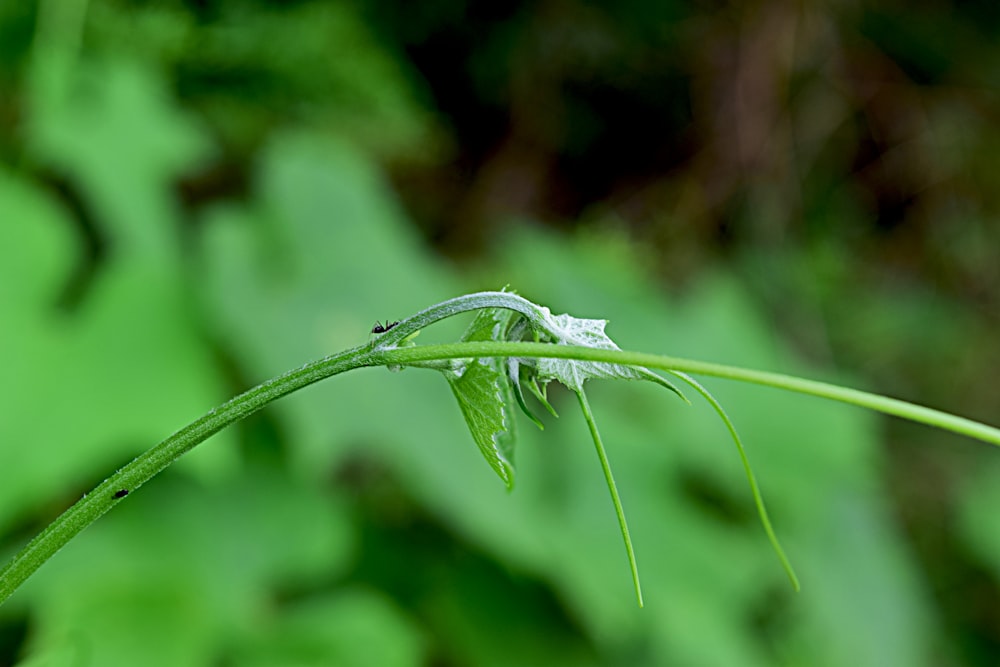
518	373
514	374
568	330
540	394
485	395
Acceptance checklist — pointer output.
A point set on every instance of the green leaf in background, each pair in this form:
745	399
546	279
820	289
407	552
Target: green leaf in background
978	520
350	628
109	128
318	254
180	570
485	395
90	383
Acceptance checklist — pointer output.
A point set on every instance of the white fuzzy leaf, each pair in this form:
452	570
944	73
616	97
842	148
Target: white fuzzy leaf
569	330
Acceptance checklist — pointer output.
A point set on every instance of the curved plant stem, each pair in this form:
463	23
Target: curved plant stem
112	490
381	351
613	488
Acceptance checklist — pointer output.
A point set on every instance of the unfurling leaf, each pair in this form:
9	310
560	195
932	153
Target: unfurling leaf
568	330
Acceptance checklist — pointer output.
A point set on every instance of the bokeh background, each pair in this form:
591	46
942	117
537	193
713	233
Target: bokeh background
196	196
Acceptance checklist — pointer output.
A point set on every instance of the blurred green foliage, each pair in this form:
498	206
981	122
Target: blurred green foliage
195	196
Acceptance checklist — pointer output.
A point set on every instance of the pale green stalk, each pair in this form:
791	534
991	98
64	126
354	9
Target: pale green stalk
613	488
758	499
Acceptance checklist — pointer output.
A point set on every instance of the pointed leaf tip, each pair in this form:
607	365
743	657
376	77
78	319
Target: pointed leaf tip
485	396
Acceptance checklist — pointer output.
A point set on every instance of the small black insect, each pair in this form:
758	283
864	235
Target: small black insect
121	494
382	328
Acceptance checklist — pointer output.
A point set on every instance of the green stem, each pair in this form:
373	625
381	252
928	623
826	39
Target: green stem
883	404
129	478
380	351
136	473
613	488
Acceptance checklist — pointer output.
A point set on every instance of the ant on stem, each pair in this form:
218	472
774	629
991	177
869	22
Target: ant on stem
382	328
